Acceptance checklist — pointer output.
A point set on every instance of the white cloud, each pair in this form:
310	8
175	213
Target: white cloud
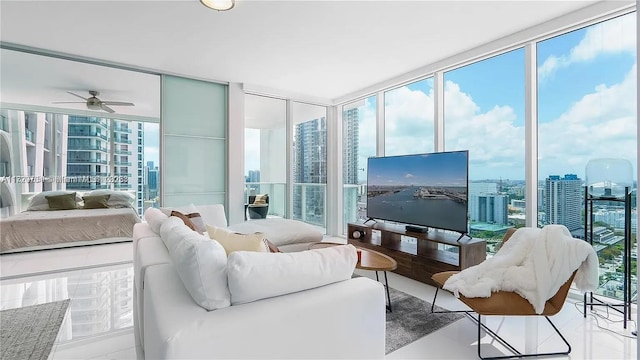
609	37
408	121
495	144
601	124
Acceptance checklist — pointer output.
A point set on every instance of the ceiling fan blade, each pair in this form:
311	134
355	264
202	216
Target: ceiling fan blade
83	98
68	102
106	108
118	103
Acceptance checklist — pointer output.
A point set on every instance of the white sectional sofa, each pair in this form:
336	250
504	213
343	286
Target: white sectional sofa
344	319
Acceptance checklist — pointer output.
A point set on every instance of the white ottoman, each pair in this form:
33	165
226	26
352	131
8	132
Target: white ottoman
288	235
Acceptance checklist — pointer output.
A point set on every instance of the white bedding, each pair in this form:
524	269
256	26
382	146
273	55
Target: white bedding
37	228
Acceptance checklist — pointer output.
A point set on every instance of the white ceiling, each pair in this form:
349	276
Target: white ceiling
319	49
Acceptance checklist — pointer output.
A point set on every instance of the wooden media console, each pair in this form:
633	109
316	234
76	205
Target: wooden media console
419	255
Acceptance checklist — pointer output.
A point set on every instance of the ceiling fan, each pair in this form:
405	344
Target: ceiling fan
93	103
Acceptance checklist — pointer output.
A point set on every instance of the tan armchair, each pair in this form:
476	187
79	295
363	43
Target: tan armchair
504	303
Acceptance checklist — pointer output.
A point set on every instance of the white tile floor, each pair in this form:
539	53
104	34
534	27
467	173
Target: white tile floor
86	270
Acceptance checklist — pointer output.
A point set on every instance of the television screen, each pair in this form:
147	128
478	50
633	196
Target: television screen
424	189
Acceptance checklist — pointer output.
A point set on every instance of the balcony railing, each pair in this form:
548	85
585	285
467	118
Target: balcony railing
88	133
121	141
122	152
122	129
308	200
100	122
84	161
87	173
73	146
122	186
123	163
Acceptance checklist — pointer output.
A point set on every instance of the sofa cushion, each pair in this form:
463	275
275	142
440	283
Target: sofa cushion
232	241
253	276
154	218
280	231
200	263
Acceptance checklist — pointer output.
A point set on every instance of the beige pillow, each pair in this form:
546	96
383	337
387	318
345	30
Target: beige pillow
232	241
62	202
260	199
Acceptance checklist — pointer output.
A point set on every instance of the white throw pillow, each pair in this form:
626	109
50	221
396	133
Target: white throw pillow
117	199
254	276
232	241
172	230
154	218
201	265
38	202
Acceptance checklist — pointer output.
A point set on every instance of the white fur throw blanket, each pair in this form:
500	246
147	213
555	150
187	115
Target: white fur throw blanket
534	263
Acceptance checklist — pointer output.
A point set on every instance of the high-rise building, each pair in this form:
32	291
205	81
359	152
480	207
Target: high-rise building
88	153
310	157
487	204
489	208
350	165
32	145
254	176
563	199
351	141
91	141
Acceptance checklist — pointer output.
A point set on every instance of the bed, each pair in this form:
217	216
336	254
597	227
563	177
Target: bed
42	229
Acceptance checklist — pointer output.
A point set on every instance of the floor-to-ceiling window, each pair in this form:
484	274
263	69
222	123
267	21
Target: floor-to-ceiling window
358	144
408	119
484	113
309	163
587	98
265	145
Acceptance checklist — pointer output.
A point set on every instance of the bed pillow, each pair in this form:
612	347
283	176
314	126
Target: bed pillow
253	276
117	199
38	202
96	201
62	202
232	241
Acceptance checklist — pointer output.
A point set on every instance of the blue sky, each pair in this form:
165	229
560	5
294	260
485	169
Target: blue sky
586	106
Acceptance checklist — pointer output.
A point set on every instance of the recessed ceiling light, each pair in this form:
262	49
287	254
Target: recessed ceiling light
220	5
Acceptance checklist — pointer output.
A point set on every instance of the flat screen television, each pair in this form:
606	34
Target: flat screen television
428	190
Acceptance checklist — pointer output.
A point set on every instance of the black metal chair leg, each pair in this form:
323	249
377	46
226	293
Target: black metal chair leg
516	354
